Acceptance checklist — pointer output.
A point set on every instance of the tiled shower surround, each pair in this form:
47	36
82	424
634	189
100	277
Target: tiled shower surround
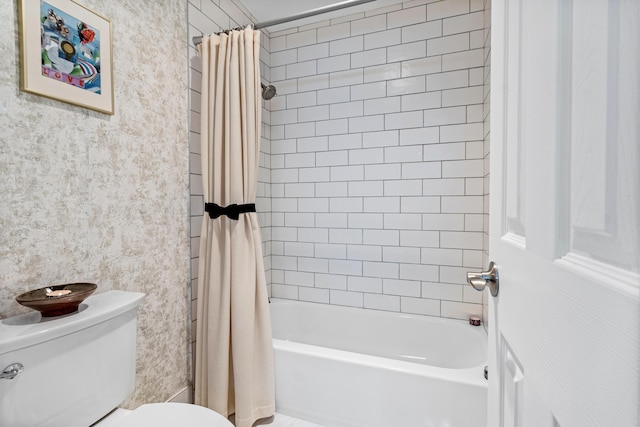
377	159
373	172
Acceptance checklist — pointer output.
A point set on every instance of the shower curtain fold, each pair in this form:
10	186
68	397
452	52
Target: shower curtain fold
234	355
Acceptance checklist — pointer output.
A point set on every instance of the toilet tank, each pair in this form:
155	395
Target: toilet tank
77	367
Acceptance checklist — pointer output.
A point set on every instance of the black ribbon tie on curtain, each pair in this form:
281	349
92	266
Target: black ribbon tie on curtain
231	211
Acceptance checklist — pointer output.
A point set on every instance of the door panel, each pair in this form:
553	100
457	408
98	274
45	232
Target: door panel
564	216
514	182
513	388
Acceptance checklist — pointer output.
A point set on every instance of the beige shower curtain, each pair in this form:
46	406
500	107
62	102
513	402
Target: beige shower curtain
234	356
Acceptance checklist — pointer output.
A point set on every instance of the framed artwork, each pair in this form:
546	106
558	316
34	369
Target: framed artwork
65	53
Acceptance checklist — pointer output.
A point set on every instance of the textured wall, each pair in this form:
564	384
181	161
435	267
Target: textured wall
104	199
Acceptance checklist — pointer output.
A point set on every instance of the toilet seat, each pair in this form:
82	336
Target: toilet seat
173	414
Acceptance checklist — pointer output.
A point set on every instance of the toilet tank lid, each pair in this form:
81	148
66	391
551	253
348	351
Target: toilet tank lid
31	328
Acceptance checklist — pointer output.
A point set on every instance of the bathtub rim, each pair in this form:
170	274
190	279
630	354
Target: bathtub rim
473	376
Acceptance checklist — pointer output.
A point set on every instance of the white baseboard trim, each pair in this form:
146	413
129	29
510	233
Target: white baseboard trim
183	396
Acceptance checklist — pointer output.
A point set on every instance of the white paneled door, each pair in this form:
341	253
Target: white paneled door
564	329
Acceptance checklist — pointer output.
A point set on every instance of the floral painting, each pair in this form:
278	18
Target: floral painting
70	49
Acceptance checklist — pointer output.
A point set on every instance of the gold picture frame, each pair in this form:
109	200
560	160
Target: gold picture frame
66	53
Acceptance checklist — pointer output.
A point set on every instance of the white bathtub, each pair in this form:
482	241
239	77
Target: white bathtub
342	366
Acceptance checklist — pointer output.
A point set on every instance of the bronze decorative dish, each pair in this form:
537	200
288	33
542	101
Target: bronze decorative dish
57	300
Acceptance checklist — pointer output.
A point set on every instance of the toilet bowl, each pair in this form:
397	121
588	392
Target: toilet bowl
165	415
75	369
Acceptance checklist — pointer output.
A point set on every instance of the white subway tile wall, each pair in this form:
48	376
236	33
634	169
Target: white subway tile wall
379	158
373	182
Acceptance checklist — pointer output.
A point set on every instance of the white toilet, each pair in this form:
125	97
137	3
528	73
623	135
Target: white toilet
77	368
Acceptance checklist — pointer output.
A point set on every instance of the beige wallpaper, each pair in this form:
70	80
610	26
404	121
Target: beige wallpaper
105	199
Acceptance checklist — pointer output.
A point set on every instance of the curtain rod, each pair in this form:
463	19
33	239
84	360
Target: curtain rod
324	9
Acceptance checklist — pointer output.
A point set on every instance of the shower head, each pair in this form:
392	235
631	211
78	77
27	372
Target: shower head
268	92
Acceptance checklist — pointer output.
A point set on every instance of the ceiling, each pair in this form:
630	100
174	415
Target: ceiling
266	10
